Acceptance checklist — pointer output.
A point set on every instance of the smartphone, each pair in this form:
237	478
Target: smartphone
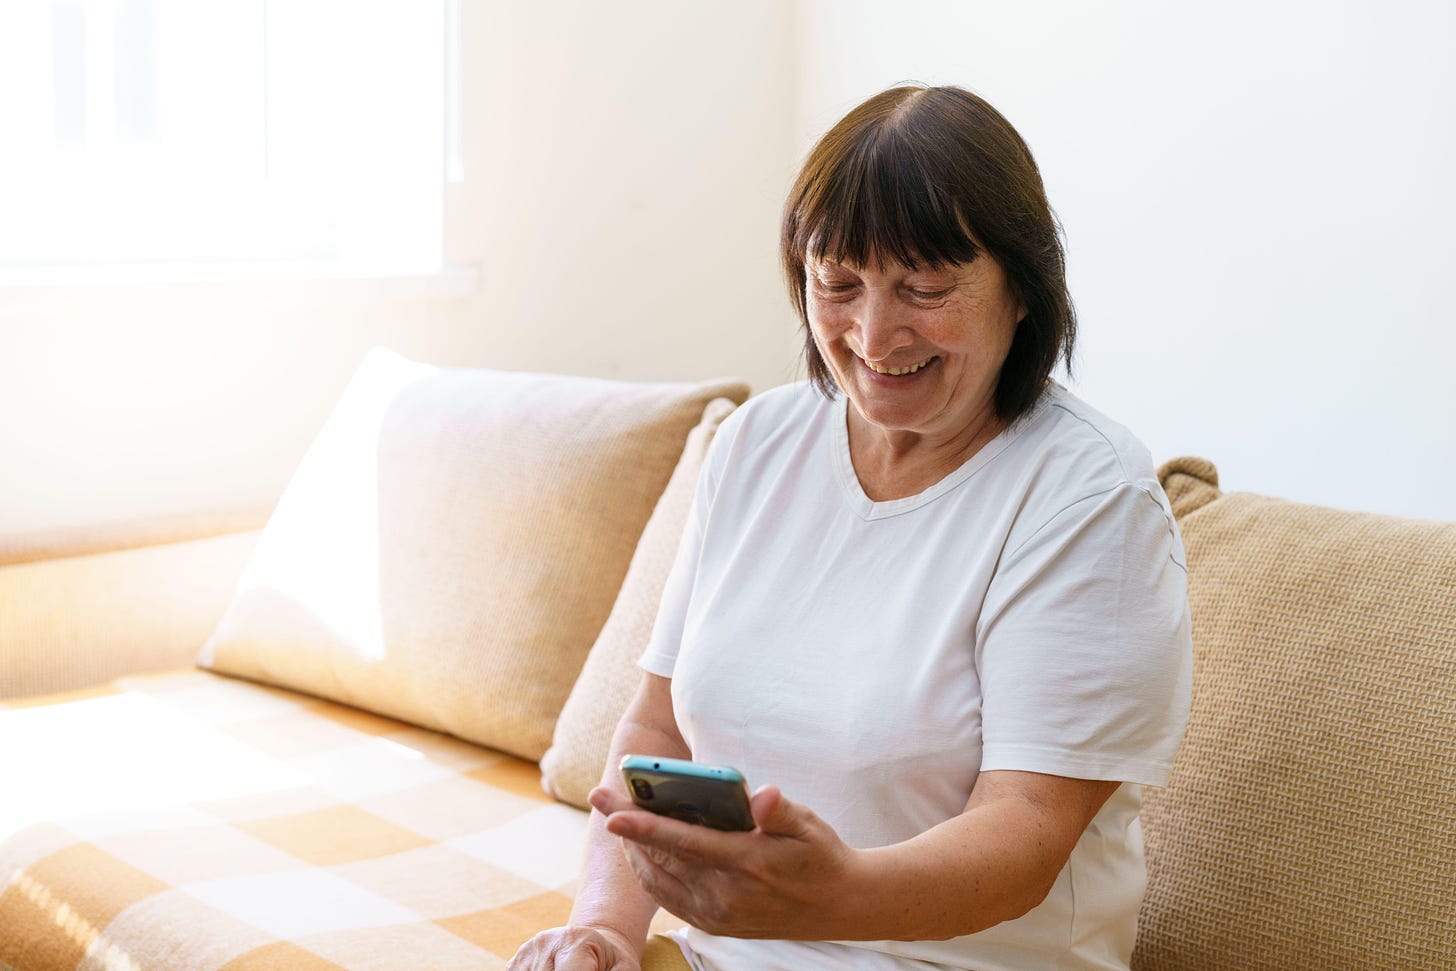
709	795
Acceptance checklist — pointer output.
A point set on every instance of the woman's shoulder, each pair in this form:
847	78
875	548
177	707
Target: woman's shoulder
1070	452
1066	431
773	426
796	397
791	405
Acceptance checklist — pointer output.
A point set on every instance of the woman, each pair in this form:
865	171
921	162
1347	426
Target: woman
933	599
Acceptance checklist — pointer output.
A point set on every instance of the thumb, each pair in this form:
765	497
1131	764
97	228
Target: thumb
775	814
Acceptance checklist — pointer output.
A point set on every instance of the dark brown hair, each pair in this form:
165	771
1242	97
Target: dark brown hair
919	176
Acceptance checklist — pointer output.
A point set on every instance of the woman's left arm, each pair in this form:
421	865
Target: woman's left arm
793	878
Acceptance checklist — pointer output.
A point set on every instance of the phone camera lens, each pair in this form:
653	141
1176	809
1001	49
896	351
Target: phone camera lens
642	789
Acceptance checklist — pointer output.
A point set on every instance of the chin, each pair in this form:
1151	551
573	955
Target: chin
889	415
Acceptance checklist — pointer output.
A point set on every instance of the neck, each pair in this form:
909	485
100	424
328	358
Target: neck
892	463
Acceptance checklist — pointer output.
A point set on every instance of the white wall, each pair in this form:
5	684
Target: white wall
631	162
1259	209
625	164
1254	198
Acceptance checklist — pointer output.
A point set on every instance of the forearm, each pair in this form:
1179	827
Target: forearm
610	895
990	864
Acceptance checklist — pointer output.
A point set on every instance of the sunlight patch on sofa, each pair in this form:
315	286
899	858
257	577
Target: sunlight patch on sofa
121	753
76	927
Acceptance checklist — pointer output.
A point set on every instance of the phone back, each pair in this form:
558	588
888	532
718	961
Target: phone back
705	795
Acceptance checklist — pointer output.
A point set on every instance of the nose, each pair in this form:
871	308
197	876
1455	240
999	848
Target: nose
880	328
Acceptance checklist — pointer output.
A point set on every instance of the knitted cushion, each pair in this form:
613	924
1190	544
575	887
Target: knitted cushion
610	676
453	542
1310	821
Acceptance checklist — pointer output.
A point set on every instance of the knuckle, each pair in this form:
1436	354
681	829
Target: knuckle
715	912
714	922
646	876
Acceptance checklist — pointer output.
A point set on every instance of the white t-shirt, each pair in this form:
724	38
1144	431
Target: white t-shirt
1028	612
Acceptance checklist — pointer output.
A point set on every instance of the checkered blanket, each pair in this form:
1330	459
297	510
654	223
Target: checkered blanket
193	822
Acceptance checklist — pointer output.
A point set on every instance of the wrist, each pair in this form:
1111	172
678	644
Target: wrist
859	896
883	897
609	898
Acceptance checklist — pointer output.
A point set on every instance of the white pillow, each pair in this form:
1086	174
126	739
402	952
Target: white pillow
453	541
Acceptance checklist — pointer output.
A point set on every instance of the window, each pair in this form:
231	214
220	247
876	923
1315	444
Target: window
237	130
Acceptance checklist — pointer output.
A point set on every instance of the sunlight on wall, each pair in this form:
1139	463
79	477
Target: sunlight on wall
624	164
166	130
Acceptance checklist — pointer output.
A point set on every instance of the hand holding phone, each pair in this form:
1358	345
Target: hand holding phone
708	795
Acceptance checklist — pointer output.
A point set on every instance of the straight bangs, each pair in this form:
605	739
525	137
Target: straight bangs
880	202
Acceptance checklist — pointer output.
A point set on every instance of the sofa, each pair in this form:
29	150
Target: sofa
355	729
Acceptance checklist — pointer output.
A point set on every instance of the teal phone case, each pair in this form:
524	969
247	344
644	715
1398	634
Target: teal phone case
708	795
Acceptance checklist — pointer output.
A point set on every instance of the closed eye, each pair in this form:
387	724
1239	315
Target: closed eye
834	287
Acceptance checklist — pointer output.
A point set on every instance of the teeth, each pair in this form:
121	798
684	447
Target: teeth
897	371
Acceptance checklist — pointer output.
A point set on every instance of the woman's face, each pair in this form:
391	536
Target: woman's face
915	350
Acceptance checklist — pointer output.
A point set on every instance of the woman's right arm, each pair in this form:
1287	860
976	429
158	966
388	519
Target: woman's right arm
608	927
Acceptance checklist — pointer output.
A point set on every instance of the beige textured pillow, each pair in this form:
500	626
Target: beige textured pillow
1310	820
453	541
610	676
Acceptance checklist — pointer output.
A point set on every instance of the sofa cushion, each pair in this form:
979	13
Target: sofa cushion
610	676
453	541
191	821
1309	821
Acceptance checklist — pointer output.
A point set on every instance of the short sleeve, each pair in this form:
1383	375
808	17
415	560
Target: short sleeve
660	657
1084	646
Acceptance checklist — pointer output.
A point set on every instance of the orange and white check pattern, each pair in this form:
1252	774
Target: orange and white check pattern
194	822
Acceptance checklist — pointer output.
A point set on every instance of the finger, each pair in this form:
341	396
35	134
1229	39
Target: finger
664	886
532	955
607	801
577	957
580	955
776	815
673	837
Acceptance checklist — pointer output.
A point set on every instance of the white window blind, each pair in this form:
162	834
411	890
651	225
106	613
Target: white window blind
139	131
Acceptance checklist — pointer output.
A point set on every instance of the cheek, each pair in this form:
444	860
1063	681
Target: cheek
972	330
827	321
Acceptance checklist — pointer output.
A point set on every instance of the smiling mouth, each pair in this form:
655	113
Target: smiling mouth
899	371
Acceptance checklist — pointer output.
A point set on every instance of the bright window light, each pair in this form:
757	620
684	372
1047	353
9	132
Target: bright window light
135	131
